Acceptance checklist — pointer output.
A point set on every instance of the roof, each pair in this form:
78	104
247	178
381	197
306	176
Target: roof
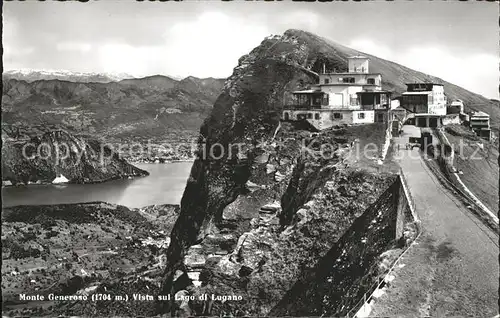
357	57
399	108
307	91
381	92
419	83
427	115
348	84
418	93
480	114
352	73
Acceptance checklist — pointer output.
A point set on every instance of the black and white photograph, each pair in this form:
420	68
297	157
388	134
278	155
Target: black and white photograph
250	158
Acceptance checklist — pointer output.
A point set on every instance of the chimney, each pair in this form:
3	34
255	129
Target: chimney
324	68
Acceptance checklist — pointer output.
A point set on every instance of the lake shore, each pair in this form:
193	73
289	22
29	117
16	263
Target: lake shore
164	185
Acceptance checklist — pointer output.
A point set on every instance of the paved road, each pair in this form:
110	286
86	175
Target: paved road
453	269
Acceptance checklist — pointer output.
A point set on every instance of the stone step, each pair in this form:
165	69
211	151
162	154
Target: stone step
271	220
194	257
195	277
268	209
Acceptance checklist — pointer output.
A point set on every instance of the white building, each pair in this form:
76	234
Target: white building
354	97
480	123
456	107
479	120
424	98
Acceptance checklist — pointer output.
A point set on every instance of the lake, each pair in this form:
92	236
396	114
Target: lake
165	184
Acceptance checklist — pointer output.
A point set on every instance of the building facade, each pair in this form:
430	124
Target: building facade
424	98
479	120
354	97
456	107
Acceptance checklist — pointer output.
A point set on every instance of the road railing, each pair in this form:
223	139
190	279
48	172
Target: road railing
368	295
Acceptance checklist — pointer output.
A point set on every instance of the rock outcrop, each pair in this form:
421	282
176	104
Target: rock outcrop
59	153
245	114
254	179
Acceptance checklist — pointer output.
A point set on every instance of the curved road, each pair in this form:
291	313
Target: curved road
453	269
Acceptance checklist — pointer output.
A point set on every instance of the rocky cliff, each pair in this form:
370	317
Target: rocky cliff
79	159
265	201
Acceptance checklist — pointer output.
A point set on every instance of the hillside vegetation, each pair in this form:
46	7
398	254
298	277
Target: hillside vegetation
149	106
77	249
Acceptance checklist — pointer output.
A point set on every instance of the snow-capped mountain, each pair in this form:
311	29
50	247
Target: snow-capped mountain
30	75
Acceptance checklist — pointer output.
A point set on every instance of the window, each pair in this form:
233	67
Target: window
316	116
309	115
325	99
361	115
327	80
353	100
370	81
337	115
347	80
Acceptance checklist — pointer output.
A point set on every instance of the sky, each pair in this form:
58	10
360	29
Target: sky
457	41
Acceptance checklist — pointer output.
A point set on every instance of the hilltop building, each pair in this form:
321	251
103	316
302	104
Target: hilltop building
480	123
424	98
456	107
353	97
426	102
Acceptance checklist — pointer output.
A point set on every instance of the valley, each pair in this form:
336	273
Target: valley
69	250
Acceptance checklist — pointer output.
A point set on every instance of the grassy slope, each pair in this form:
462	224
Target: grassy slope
479	166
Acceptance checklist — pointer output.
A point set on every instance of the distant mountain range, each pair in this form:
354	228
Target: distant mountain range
37	75
154	105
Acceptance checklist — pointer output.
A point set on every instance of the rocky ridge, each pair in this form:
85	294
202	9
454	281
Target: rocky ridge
265	200
59	153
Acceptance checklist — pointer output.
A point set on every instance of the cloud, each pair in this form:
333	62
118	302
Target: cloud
138	61
475	72
370	47
211	44
74	46
208	46
303	20
13	50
